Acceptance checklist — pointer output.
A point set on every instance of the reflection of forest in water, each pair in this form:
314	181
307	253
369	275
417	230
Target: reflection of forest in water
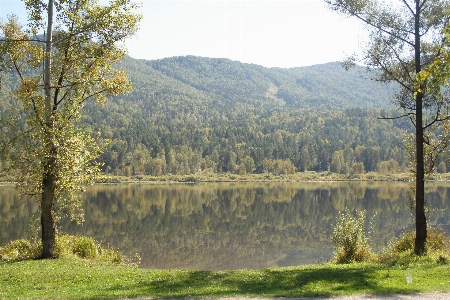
232	225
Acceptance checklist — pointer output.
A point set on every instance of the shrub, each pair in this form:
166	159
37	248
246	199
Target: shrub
88	248
85	247
404	243
81	246
437	240
67	246
351	244
20	249
401	250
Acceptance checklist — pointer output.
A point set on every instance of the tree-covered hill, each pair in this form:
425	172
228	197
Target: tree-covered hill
326	86
193	114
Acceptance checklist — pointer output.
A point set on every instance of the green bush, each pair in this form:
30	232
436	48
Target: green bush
404	243
85	247
437	240
88	248
401	250
67	246
20	249
351	244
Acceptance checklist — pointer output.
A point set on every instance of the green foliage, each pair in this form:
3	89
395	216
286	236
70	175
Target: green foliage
19	250
405	243
423	94
349	238
176	121
81	246
81	70
401	250
167	126
67	246
86	248
313	86
436	241
55	76
278	167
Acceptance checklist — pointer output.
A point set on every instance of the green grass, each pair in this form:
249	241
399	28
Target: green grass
84	279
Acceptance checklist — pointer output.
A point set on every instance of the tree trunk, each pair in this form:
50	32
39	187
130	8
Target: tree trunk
47	61
47	219
421	221
49	179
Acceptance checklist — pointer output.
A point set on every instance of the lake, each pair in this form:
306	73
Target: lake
218	226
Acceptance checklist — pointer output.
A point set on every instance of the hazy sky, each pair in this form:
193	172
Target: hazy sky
269	33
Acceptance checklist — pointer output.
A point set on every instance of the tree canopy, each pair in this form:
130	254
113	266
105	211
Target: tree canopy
61	59
405	38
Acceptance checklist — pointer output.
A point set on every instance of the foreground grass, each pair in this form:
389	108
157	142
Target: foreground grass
82	279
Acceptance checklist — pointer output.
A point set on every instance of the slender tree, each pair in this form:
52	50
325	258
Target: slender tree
406	37
58	72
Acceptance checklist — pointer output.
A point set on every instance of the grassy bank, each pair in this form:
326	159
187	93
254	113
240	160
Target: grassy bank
87	270
81	279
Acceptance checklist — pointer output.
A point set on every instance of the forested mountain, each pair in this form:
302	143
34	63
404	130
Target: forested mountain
193	114
323	86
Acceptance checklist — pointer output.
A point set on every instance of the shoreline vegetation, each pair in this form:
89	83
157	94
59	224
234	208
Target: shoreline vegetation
310	176
268	177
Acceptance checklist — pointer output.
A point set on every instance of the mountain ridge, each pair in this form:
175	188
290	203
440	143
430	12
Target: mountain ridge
324	86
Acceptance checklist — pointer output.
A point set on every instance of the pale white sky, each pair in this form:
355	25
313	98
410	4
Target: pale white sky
268	33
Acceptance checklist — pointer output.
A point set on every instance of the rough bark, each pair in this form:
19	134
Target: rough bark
421	222
47	218
49	179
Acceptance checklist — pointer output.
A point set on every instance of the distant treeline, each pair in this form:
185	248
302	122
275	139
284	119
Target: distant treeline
189	114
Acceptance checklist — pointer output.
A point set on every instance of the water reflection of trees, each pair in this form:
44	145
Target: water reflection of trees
15	214
234	225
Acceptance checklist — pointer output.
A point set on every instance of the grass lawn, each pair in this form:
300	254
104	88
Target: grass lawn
81	279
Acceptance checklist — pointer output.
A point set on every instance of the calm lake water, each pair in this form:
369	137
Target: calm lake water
214	226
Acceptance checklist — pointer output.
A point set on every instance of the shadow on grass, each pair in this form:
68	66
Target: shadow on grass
323	282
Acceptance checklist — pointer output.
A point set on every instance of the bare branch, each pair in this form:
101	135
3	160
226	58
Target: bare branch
409	7
395	118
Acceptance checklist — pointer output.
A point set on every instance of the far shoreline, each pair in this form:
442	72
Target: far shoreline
308	176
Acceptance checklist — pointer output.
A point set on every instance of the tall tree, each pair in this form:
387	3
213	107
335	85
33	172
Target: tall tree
62	58
406	37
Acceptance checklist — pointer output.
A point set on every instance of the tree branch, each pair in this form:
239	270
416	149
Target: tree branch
395	118
409	7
